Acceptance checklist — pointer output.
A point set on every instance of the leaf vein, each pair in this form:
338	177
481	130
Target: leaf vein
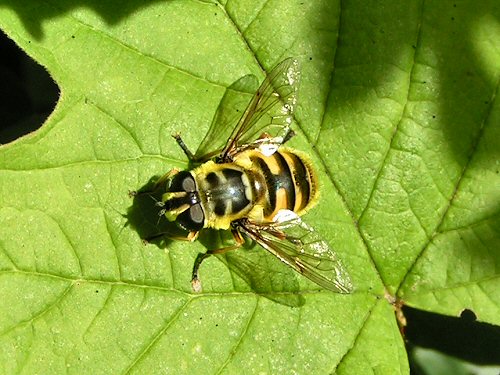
68	240
256	16
111	237
457	185
40	314
465	284
94	319
96	161
391	146
323	162
120	125
6	253
156	287
155	339
332	75
357	336
140	53
240	339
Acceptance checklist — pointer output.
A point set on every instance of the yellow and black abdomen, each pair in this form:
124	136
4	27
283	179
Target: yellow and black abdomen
255	186
290	181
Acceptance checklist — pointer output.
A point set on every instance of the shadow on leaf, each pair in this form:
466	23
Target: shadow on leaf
34	14
143	216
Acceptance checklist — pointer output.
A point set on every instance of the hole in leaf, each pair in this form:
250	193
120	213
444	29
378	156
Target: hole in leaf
27	95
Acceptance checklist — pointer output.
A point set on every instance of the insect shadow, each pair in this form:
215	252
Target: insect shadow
262	272
143	216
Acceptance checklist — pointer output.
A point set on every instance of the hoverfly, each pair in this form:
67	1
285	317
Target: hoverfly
253	186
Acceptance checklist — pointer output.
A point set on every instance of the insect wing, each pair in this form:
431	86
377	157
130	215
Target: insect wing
270	111
299	246
230	109
266	275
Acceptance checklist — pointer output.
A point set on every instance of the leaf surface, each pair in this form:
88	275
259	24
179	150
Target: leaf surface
398	109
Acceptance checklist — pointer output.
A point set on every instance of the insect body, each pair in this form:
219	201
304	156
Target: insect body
253	186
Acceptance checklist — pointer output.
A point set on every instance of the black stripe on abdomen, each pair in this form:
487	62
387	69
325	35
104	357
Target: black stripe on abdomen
276	181
285	181
270	183
302	180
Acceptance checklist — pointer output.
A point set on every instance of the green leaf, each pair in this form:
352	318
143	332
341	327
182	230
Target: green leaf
398	109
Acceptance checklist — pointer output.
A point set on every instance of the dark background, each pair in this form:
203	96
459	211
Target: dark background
27	92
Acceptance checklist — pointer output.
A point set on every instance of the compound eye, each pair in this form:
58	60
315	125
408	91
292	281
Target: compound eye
183	181
192	219
196	214
188	184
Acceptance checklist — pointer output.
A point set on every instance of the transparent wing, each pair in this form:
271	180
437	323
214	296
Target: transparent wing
240	121
270	111
229	111
299	246
265	274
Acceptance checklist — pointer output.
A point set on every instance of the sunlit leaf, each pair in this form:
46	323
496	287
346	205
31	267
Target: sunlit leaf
398	108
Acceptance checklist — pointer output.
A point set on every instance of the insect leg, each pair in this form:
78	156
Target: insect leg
265	135
152	238
195	281
171	173
191	236
182	145
289	134
157	184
